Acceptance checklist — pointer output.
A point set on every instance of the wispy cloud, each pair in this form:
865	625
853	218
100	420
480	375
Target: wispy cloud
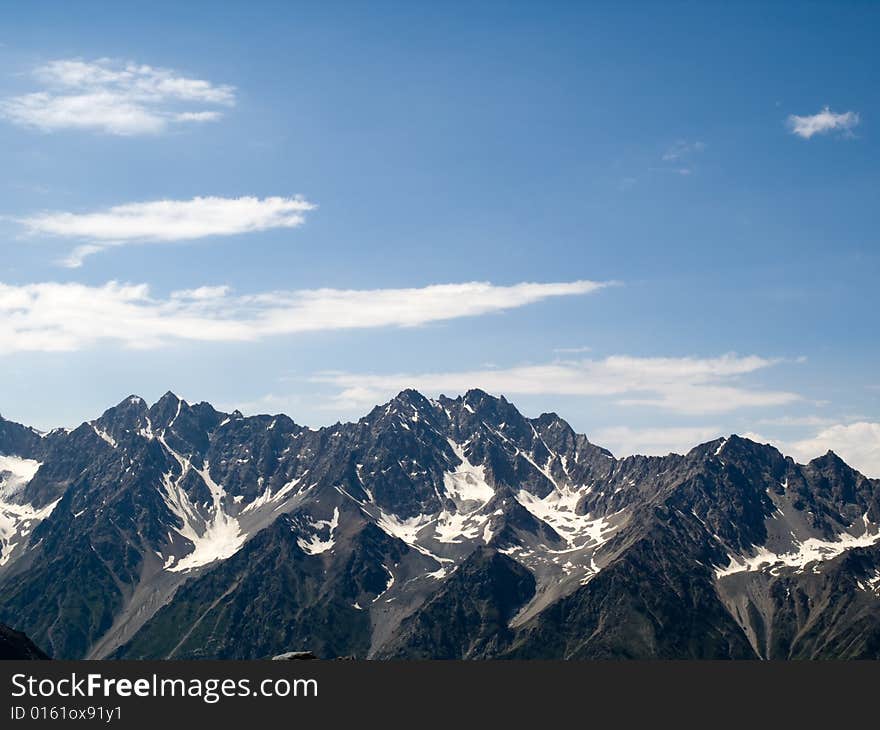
822	123
682	385
682	148
572	350
681	153
65	317
114	97
164	221
795	421
626	441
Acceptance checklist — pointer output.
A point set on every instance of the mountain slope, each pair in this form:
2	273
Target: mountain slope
468	617
16	646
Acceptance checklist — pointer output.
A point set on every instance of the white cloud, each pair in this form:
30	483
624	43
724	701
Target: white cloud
270	403
795	421
572	350
681	153
162	221
858	444
113	97
197	116
626	441
682	148
822	123
64	317
683	385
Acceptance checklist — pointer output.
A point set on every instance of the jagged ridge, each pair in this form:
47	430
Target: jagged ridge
165	530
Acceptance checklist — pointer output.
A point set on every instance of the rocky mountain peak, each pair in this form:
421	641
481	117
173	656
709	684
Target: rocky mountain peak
829	460
128	419
166	410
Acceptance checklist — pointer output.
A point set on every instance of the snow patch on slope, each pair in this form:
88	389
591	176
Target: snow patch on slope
467	484
407	530
216	536
15	474
455	527
267	497
104	435
873	583
558	509
812	550
222	536
316	544
17	521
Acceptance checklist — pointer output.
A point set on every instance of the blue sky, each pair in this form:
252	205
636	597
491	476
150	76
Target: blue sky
656	220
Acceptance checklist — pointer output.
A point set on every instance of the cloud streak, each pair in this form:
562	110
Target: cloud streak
164	221
626	441
682	385
113	97
823	122
54	317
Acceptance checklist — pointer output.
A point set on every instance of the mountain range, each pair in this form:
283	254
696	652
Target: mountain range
430	528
